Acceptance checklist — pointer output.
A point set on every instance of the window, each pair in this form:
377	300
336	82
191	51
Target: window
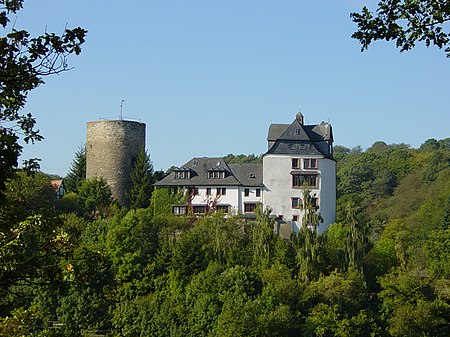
295	218
258	192
305	180
296	202
297	132
182	174
199	209
222	208
216	174
208	191
310	163
221	191
246	192
249	207
295	163
193	191
179	209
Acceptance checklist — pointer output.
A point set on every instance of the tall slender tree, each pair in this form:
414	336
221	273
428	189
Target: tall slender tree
356	241
77	171
142	180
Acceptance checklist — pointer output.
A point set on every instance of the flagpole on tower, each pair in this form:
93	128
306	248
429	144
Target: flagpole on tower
121	109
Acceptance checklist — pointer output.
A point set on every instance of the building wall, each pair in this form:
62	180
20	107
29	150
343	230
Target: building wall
235	197
111	150
231	197
279	192
327	198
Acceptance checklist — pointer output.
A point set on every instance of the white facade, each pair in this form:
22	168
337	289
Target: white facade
230	199
280	192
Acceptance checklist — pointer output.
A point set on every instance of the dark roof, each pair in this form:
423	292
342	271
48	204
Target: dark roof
296	138
318	132
248	174
235	174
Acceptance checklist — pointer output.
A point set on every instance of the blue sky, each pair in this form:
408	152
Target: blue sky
208	77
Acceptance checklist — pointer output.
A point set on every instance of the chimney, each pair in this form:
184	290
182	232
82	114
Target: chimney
299	117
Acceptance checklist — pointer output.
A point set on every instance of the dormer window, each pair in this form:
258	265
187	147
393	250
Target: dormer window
182	174
216	174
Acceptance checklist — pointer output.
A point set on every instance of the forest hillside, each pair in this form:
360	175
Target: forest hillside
83	266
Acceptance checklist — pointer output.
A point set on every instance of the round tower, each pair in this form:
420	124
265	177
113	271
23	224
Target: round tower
111	150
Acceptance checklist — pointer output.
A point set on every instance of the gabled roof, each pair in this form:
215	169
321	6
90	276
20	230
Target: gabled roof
297	138
56	183
235	174
318	132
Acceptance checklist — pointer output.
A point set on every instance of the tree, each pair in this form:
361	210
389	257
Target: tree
77	172
29	254
142	180
26	195
405	22
95	196
24	61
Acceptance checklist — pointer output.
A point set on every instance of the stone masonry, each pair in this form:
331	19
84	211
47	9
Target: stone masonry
111	150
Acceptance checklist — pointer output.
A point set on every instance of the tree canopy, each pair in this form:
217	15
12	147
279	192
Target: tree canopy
381	270
405	22
24	62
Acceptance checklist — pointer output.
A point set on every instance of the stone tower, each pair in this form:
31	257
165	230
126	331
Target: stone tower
111	150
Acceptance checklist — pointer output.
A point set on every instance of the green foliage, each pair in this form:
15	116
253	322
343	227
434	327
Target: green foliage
25	62
131	244
381	271
22	322
263	239
438	252
26	195
29	253
77	172
327	320
242	159
310	253
411	306
83	305
405	22
202	297
142	180
346	290
69	203
375	173
163	199
94	197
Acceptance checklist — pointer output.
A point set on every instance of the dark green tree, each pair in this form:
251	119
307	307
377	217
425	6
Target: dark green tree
405	22
142	181
24	61
94	197
77	172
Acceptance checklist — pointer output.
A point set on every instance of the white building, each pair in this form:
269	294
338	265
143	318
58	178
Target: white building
213	184
299	160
